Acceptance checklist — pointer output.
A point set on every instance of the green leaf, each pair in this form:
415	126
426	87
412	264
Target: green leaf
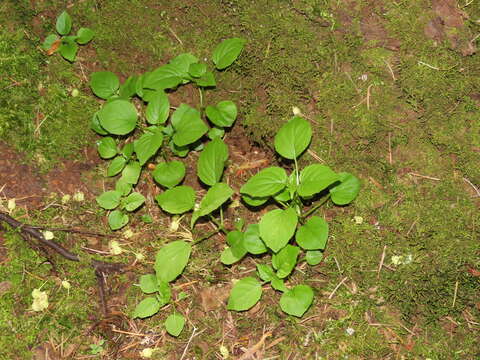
109	200
188	125
227	52
169	174
315	178
211	162
158	108
84	36
293	138
68	49
165	77
180	151
215	197
164	292
314	257
286	259
206	80
215	132
107	147
222	115
284	195
147	307
182	63
245	294
117	219
64	23
236	251
95	125
128	88
48	42
118	117
116	165
279	285
148	144
171	260
174	324
266	182
177	200
127	150
265	272
196	70
134	201
123	187
254	201
313	235
148	283
252	241
277	227
104	84
297	300
347	190
131	172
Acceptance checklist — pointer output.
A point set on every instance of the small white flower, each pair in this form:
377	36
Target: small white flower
40	300
296	111
358	220
396	259
175	223
66	198
48	235
350	331
224	352
75	92
115	248
146	353
408	259
66	284
139	256
127	234
79	196
11	205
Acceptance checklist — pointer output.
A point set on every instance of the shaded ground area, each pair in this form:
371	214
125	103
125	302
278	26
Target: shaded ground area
391	90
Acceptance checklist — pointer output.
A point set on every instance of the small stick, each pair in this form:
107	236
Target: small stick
455	294
382	259
338	265
473	186
391	70
411	227
128	333
390	160
336	287
188	343
255	347
175	35
368	96
424	176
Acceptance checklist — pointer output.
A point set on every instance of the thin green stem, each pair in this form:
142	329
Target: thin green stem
221	216
316	206
200	93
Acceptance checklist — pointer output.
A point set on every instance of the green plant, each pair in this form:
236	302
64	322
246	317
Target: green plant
273	234
66	45
131	143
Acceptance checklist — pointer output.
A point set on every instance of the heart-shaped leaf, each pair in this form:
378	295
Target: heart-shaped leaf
252	241
212	161
347	190
285	260
148	283
315	178
158	108
215	197
68	49
134	201
131	172
313	235
277	227
169	174
314	257
148	144
174	324
147	307
177	200
297	300
266	182
245	294
118	117
116	166
227	52
293	138
109	200
107	147
236	251
117	219
84	35
171	259
222	115
104	84
188	125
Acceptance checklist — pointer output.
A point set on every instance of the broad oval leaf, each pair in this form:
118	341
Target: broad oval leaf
148	283
118	117
148	144
206	80
158	108
315	178
313	235
68	49
254	201
236	251
104	84
131	172
147	307
293	138
64	23
165	77
211	162
50	43
182	64
109	200
134	201
171	259
252	241
265	272
347	190
188	125
84	35
314	257
222	115
227	52
266	182
297	300
116	166
245	294
286	259
128	88
215	197
177	200
169	174
107	147
95	125
174	324
197	69
117	219
277	227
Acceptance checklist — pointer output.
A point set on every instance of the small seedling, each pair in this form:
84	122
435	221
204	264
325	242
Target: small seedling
66	45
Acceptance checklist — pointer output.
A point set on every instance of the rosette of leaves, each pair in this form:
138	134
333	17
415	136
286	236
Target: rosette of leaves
170	262
133	136
65	44
290	233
